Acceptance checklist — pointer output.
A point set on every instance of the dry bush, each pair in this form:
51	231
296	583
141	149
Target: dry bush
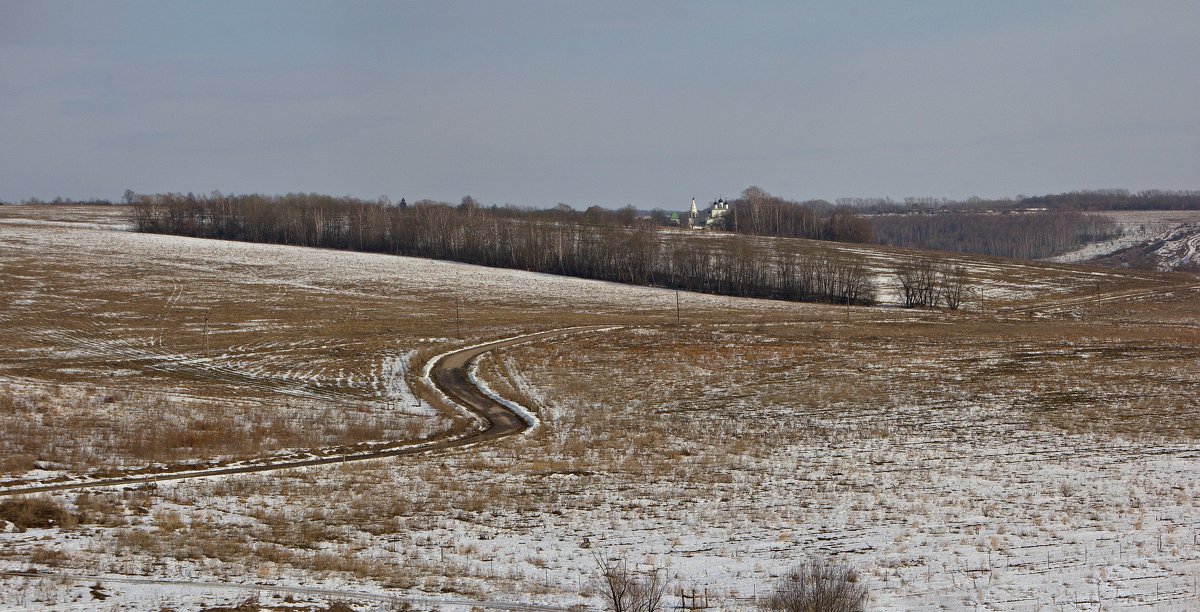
17	463
168	520
103	509
49	556
820	585
624	589
37	512
250	604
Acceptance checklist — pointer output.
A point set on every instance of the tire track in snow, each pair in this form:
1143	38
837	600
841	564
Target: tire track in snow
1126	295
449	374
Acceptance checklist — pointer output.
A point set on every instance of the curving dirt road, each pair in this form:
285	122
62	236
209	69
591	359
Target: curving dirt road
448	373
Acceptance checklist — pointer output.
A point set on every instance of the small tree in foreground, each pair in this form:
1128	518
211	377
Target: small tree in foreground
954	286
819	585
625	589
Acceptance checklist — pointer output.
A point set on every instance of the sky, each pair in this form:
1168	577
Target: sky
534	103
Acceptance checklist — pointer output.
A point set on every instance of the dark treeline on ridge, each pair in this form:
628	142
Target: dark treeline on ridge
61	201
1086	200
1002	228
595	244
1119	199
1020	235
1024	227
759	213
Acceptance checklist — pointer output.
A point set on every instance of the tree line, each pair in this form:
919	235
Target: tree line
759	213
1118	199
1030	235
59	201
1082	200
595	244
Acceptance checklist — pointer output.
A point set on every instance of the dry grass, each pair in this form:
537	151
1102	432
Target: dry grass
1138	383
38	512
118	358
782	424
87	428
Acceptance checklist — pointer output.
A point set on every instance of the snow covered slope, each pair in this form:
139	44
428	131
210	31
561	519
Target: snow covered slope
1165	240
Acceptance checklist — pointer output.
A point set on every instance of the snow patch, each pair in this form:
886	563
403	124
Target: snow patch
526	415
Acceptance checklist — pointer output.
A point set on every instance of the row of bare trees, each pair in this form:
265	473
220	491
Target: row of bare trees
1083	200
927	283
819	584
1118	199
611	247
759	213
1029	235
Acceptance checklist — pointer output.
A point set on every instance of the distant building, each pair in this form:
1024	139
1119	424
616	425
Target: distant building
697	218
715	212
711	216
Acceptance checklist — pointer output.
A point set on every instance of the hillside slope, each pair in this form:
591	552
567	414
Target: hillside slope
1151	240
1035	451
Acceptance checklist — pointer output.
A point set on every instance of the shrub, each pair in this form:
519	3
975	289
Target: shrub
36	513
18	463
819	586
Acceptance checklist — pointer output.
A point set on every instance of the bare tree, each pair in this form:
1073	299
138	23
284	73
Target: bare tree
919	281
627	590
820	585
953	286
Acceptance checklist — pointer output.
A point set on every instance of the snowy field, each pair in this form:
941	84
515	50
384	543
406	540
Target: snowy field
1014	468
1041	454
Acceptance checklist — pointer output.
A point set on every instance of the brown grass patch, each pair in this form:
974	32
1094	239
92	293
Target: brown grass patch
37	512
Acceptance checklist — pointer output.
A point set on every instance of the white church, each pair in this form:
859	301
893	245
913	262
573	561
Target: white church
709	217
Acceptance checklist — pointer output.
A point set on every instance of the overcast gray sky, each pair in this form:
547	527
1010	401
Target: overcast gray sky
611	103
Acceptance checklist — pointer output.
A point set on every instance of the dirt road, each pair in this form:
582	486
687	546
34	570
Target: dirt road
447	371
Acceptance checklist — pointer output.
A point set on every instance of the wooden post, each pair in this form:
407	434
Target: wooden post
206	330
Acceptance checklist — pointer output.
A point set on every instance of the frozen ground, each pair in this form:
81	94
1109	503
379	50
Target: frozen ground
993	472
960	461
